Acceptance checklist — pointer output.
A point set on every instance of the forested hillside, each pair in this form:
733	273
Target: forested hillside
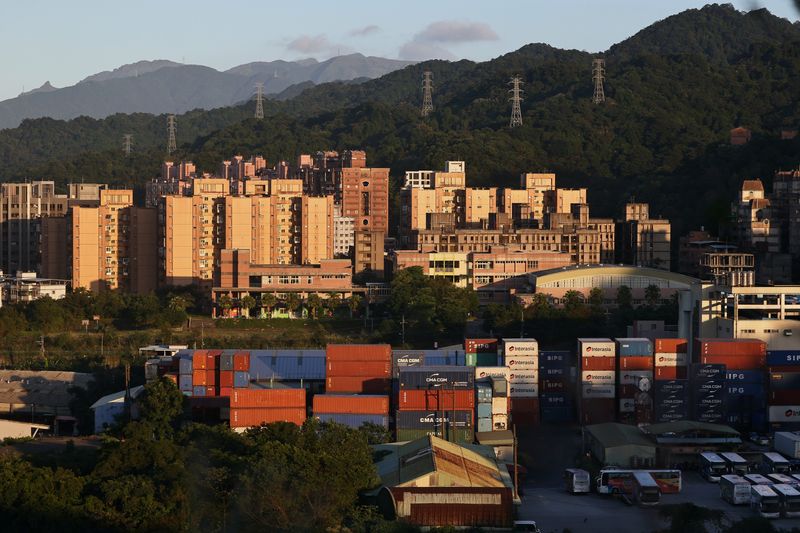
674	91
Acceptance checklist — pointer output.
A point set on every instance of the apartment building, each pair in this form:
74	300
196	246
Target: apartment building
641	240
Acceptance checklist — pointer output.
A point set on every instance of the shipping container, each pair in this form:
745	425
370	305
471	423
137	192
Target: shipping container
226	361
557	373
212	377
745	376
499	406
241	361
482	359
457	435
198	391
241	380
558	415
484	425
500	422
784	381
708	371
523	376
358	352
483	391
403	358
596	348
669	373
338	368
781	357
598	377
597	411
525	412
523	390
784	397
458	359
431	419
199	377
253	417
519	347
555	400
266	398
634	347
226	377
200	360
437	399
598	363
354	420
528	362
555	359
447	377
185	382
499	387
670	346
484	410
627	391
670	359
708	387
627	405
735	362
730	347
358	385
185	365
212	359
756	390
481	346
212	391
226	391
491	372
636	363
553	386
287	365
787	444
589	392
351	404
634	377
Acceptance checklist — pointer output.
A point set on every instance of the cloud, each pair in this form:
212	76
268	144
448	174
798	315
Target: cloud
363	32
426	44
310	44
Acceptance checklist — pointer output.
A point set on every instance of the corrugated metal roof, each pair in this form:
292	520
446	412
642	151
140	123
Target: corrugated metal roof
689	426
287	364
117	397
611	435
47	390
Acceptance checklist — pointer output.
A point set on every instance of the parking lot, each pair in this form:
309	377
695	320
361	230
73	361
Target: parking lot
554	509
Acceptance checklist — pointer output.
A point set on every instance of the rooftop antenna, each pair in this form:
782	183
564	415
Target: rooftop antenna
172	129
516	99
259	100
427	93
127	144
598	75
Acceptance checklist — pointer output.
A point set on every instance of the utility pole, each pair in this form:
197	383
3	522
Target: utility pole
598	75
259	100
516	469
172	131
403	329
127	144
516	100
427	93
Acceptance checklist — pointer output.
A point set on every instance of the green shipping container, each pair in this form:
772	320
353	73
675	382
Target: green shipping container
481	359
459	435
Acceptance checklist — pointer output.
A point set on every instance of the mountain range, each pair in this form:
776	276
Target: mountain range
167	87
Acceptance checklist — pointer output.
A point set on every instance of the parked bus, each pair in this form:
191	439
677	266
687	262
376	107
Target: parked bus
645	489
757	479
577	481
612	480
712	466
796	478
782	479
736	463
764	501
774	463
789	498
734	489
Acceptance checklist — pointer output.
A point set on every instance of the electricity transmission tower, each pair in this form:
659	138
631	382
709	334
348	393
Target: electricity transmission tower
516	99
127	144
172	130
598	75
259	100
427	93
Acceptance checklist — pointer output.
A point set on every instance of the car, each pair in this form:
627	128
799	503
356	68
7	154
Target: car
526	525
761	440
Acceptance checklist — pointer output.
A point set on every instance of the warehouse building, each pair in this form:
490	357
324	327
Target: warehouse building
38	393
110	407
432	482
619	445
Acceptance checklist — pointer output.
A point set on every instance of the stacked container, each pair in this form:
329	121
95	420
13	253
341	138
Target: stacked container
185	374
352	410
634	380
783	396
436	401
205	373
483	407
556	395
739	354
670	359
521	357
598	379
234	371
746	399
495	415
358	368
253	407
708	393
481	352
671	399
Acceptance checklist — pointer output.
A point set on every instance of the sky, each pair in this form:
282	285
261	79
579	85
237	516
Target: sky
65	41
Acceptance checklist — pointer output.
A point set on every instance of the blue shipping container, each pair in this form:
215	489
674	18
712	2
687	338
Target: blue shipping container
428	377
745	376
783	357
484	410
185	365
562	372
704	388
353	420
483	391
452	359
555	400
185	382
745	389
199	391
784	380
704	372
241	380
634	347
287	365
555	359
226	361
484	425
558	414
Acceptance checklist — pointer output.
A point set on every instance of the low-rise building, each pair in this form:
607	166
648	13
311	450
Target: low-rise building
27	287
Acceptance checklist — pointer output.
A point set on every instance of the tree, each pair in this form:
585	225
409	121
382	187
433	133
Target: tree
226	303
354	303
313	303
573	304
624	297
247	302
375	433
596	298
540	306
334	302
652	295
292	302
268	301
161	407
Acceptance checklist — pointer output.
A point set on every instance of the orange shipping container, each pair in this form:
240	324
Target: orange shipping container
226	391
211	377
212	361
358	352
671	346
226	378
199	378
598	363
351	404
358	385
199	360
636	363
268	398
422	400
730	347
735	362
359	368
250	417
670	372
241	361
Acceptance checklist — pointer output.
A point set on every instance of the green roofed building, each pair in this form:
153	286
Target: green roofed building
620	445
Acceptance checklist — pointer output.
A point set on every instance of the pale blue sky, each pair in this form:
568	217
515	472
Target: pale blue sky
65	41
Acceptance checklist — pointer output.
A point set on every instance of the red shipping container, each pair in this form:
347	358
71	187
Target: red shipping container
268	398
200	360
212	361
636	363
351	404
211	377
413	400
670	372
784	397
249	417
730	347
199	378
211	391
358	352
524	411
627	391
359	368
598	363
241	361
480	345
598	411
671	346
226	378
226	391
736	362
358	385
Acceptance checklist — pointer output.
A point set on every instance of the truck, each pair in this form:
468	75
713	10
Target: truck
764	501
734	489
789	498
787	443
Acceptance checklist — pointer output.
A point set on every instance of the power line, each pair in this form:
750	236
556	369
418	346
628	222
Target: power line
259	100
516	100
127	144
172	130
598	75
427	93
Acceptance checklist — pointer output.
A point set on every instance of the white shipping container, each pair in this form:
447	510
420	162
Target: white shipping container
599	377
523	347
597	348
528	362
523	376
627	405
671	359
787	443
499	406
784	413
482	372
634	377
523	390
500	422
597	391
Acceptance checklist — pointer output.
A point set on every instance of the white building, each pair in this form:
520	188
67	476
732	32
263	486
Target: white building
26	287
343	233
108	408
